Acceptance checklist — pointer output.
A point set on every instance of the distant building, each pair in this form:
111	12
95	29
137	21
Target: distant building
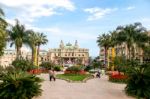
65	54
8	57
69	54
42	56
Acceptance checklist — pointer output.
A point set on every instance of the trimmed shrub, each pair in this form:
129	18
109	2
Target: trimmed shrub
57	68
19	85
24	65
75	70
47	65
87	68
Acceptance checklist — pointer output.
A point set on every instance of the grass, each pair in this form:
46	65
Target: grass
73	77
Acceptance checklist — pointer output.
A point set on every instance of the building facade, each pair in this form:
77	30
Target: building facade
69	54
42	56
8	57
65	54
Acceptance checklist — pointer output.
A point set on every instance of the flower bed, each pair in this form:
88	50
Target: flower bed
119	78
35	71
74	72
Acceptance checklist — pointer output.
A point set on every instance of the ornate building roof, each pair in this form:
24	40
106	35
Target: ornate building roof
68	45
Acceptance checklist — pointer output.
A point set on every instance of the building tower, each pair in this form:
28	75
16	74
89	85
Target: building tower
61	44
76	44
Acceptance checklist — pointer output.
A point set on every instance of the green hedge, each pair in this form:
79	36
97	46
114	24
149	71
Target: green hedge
57	68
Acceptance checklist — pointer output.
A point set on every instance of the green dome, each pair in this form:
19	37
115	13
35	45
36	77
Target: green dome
69	46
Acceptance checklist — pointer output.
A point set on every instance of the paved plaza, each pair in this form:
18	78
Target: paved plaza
92	89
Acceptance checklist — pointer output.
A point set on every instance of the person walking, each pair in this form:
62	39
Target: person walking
98	74
52	75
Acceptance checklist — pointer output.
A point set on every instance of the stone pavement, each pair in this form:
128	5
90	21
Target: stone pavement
92	89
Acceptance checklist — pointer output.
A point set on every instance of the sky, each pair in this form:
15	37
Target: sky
81	20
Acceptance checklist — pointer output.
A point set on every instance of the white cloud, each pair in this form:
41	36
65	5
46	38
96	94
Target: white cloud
130	8
145	20
10	21
98	13
28	11
55	31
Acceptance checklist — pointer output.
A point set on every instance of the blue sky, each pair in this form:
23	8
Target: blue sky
81	20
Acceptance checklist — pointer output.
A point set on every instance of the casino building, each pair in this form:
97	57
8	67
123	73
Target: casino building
69	54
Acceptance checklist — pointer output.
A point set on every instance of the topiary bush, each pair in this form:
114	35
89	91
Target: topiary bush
88	68
19	85
57	68
24	65
47	65
75	70
139	81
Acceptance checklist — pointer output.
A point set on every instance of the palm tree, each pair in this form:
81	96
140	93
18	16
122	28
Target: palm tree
104	41
113	42
133	35
41	40
3	34
17	36
32	41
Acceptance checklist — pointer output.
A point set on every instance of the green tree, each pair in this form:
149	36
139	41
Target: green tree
96	62
32	41
113	42
134	35
41	40
3	33
120	63
17	36
104	41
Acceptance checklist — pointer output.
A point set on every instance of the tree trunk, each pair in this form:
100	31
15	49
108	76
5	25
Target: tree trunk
105	59
113	57
34	55
18	53
38	51
129	49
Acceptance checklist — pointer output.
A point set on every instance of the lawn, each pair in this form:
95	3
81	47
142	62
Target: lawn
73	77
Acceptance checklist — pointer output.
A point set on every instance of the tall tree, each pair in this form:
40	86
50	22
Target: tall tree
133	35
113	42
32	42
17	35
3	33
41	40
104	41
